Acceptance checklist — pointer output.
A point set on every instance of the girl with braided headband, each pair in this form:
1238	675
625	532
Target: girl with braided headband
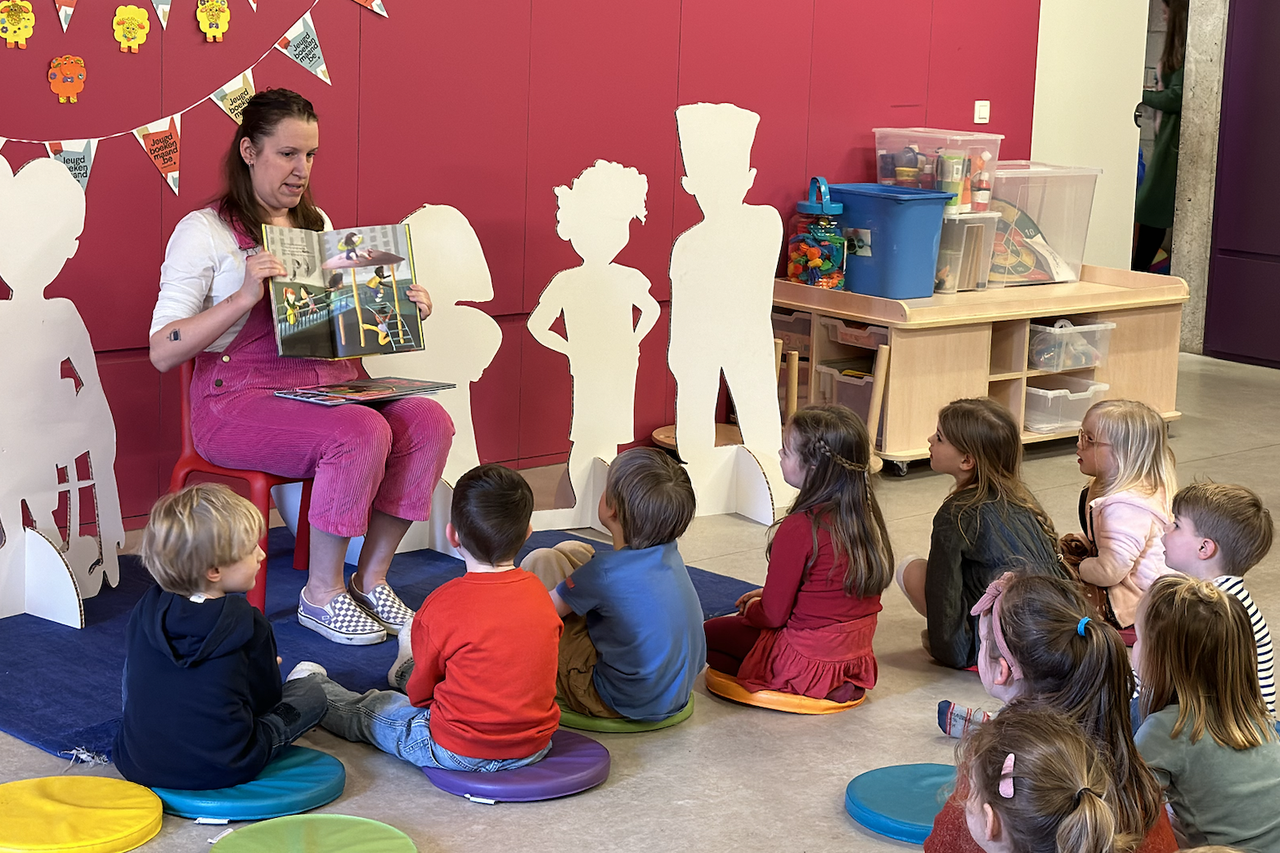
809	630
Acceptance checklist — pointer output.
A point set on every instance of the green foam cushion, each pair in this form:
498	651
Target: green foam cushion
316	833
574	720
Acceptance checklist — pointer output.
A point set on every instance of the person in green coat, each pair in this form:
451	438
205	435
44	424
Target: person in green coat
1154	209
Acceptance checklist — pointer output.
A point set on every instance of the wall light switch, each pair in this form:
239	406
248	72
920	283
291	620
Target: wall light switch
981	112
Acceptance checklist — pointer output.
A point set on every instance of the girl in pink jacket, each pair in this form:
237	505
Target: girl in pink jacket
1123	446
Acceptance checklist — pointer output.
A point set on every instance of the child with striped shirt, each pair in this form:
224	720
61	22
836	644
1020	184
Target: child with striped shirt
1218	533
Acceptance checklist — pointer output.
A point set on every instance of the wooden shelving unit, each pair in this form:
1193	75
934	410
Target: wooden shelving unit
957	345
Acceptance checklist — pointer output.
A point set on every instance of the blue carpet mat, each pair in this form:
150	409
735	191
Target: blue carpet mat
61	687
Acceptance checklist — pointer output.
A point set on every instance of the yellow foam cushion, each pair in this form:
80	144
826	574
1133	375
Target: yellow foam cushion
728	687
86	814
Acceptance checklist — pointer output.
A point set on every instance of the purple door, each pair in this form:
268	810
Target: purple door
1242	320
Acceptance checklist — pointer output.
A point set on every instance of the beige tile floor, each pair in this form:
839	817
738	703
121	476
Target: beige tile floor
744	779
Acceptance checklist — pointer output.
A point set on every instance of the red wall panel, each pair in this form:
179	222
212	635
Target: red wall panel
454	129
487	107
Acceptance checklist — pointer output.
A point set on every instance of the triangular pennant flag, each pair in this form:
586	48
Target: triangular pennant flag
254	4
65	10
302	46
160	140
233	96
162	12
76	155
375	5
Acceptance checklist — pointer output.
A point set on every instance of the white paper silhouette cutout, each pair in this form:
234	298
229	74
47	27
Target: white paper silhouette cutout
722	272
602	338
460	343
57	435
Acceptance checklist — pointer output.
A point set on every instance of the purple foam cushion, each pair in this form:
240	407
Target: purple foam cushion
575	763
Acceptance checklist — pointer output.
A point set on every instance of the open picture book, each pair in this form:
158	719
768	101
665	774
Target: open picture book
364	391
346	294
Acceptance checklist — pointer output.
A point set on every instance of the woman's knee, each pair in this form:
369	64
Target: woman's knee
419	421
361	435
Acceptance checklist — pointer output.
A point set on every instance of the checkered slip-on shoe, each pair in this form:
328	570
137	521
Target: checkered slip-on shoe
382	605
341	620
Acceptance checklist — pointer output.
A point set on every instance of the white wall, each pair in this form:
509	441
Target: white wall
1089	71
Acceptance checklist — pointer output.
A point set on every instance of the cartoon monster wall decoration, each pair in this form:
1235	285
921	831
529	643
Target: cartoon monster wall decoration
130	26
214	16
66	77
17	23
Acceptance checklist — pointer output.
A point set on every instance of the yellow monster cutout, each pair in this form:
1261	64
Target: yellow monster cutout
214	16
17	23
130	25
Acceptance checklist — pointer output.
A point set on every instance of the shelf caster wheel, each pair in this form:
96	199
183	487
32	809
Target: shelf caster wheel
897	467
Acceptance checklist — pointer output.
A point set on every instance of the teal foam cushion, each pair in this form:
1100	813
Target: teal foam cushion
300	779
316	833
900	801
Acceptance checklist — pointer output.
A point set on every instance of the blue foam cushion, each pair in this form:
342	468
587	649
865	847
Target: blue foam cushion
900	801
575	763
300	779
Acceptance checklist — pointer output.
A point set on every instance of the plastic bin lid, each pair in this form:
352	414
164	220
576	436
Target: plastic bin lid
937	131
816	186
970	215
1025	168
898	194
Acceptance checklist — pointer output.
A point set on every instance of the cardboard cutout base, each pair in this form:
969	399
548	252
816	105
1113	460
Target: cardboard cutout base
586	509
51	591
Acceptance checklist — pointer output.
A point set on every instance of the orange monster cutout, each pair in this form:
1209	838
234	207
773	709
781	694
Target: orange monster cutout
66	77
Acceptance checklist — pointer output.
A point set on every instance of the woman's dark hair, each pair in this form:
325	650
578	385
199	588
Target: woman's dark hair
834	446
1175	37
238	206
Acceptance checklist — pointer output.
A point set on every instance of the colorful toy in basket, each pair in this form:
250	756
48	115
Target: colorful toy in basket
1058	352
816	245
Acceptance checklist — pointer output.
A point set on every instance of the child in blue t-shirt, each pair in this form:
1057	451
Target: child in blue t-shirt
633	641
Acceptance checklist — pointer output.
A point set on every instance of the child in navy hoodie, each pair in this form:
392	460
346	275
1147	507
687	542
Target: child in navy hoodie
203	703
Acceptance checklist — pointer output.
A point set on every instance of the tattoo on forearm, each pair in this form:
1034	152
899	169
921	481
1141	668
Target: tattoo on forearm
175	335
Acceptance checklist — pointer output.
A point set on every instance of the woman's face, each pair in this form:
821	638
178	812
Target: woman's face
281	167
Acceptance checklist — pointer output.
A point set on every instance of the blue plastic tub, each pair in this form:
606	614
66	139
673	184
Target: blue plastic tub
892	250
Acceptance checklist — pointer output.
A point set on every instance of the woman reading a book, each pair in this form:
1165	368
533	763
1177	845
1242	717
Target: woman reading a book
375	467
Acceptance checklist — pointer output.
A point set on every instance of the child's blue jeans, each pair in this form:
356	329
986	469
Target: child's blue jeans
386	719
302	706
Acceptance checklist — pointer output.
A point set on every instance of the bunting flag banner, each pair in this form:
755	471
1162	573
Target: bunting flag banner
233	96
76	155
253	4
162	12
375	5
161	141
302	46
65	10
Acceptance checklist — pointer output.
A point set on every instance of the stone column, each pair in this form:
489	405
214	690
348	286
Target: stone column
1198	160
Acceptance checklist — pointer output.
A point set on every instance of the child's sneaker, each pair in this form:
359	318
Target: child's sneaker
305	668
341	620
382	605
404	655
955	720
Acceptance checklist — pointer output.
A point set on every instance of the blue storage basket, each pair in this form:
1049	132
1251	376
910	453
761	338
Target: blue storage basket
894	252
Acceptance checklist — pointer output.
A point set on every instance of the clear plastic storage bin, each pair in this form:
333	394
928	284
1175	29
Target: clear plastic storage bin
795	329
930	158
854	334
964	255
1058	403
853	392
1064	346
1044	221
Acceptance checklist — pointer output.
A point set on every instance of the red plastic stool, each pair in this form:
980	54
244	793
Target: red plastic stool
260	484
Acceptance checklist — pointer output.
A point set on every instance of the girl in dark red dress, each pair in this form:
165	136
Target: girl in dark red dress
809	630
